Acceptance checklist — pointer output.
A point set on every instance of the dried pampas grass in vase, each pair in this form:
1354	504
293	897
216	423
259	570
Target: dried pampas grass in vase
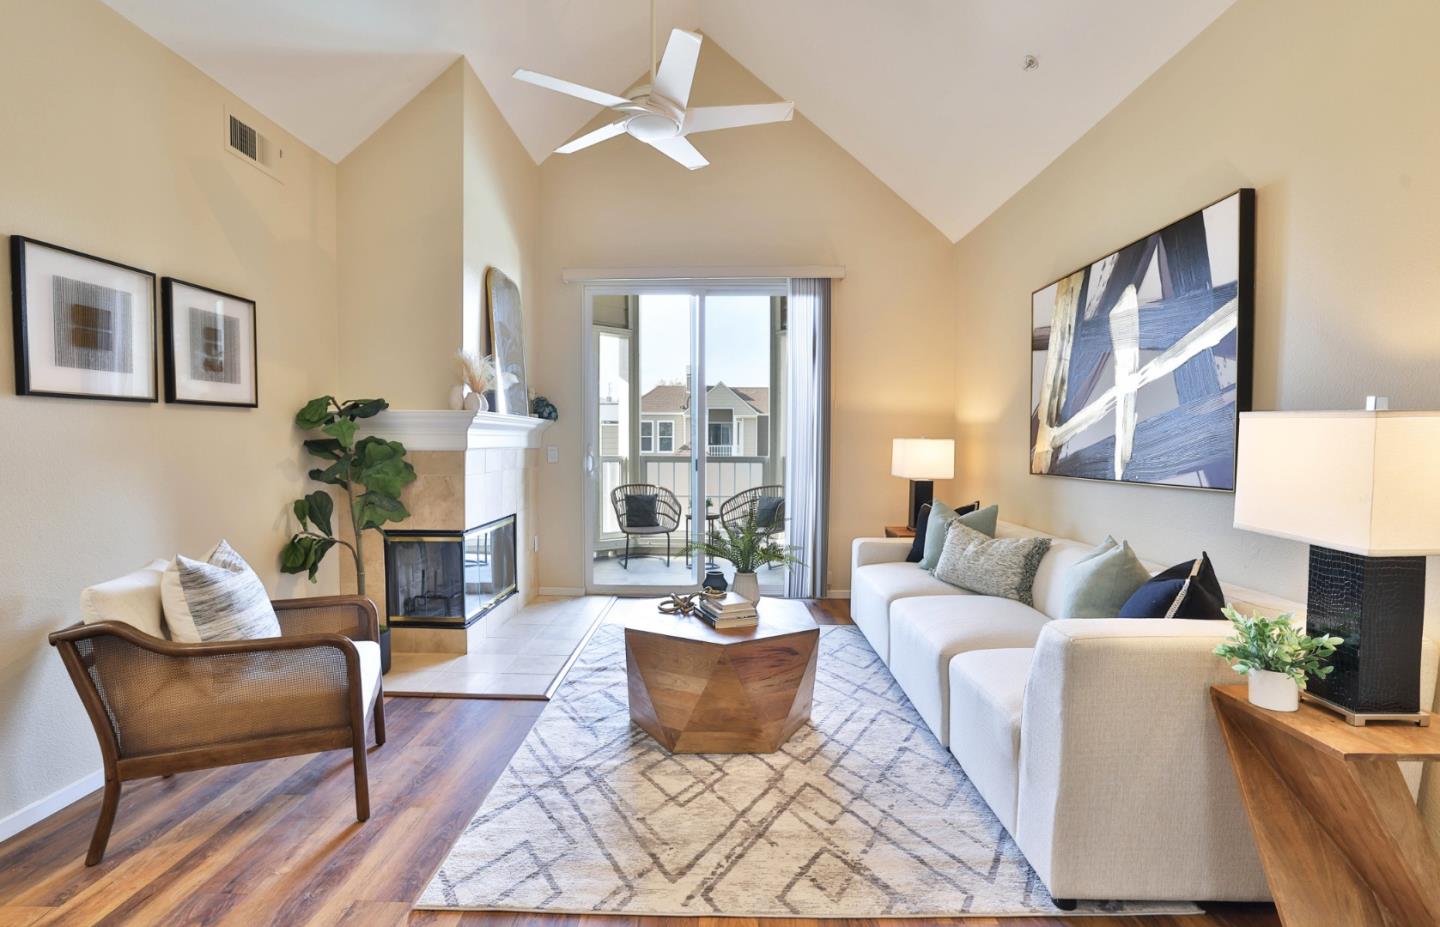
474	383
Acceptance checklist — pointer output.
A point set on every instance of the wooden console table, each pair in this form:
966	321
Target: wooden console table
1339	835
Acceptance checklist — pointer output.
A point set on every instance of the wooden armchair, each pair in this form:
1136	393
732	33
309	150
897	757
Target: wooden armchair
160	707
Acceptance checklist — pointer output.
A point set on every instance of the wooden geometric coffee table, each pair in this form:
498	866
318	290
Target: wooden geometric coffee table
697	689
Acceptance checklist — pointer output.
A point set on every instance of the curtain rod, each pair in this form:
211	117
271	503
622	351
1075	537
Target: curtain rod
601	274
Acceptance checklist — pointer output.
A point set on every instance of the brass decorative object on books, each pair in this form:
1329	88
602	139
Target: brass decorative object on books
679	603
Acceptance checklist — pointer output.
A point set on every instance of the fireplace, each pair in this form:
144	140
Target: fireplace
448	579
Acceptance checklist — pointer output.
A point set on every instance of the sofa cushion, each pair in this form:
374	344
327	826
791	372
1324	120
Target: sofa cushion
925	633
1099	585
1049	589
216	599
132	599
990	566
922	529
987	697
1186	590
874	587
941	515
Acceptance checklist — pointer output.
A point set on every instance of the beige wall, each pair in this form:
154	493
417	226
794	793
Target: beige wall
436	195
772	195
1328	108
401	237
112	146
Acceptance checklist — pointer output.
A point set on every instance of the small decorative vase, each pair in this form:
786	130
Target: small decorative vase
1273	691
715	580
475	402
747	586
457	397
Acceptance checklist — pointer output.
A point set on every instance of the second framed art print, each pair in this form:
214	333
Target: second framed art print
210	346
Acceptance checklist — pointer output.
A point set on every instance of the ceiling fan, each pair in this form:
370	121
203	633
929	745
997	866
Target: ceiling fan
658	114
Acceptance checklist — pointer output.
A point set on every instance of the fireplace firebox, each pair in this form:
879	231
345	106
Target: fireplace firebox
448	579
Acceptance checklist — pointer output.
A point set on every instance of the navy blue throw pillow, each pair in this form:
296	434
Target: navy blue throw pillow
922	521
767	511
1186	590
640	511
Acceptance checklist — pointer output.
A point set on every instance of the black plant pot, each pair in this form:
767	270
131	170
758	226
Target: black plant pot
384	650
714	580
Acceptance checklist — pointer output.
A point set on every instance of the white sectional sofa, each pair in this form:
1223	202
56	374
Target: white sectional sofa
1092	740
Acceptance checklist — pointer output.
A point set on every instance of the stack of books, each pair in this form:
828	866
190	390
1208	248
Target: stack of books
732	611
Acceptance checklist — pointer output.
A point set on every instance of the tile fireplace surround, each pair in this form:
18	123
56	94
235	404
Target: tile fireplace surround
471	468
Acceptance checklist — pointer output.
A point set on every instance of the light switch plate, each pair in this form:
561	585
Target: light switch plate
552	454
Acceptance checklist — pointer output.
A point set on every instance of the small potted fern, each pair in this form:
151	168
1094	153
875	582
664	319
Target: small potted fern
1277	658
748	547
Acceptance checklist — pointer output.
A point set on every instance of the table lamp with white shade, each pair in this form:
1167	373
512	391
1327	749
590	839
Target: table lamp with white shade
1361	489
922	461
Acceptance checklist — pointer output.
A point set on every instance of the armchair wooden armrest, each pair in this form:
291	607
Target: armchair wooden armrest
160	706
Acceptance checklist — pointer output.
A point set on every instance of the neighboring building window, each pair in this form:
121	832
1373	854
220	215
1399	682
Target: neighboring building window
667	437
762	436
647	437
720	436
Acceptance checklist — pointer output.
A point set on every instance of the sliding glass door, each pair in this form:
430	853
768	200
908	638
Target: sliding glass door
685	430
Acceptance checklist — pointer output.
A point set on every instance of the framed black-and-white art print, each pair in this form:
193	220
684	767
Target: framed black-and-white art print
210	356
84	326
1140	361
507	324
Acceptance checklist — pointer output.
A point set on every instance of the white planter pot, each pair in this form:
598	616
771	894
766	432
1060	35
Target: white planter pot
476	402
457	398
1275	691
747	587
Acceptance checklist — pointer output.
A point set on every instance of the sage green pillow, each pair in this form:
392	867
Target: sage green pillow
1100	584
941	515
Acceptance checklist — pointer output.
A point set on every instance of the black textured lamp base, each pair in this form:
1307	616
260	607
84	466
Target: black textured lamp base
1377	605
922	493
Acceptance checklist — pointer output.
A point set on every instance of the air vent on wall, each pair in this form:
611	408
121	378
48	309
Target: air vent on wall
251	145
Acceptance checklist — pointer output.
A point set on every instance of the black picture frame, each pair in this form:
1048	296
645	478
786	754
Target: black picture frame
21	309
167	335
1244	337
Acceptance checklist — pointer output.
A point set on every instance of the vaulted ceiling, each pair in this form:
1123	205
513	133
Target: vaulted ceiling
930	95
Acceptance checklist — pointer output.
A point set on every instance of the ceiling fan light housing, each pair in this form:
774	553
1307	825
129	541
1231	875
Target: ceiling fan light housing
652	127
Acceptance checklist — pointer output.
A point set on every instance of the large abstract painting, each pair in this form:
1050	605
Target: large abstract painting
506	323
1140	363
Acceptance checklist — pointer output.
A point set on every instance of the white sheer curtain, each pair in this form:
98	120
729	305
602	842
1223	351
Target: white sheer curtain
807	414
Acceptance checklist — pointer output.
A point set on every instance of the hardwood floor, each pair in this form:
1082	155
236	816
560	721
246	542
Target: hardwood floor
277	842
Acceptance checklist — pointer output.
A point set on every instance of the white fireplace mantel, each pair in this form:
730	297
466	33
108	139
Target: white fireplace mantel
444	430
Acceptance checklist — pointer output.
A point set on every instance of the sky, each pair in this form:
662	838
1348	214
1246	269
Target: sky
737	340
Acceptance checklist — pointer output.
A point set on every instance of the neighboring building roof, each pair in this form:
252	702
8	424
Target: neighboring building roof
675	398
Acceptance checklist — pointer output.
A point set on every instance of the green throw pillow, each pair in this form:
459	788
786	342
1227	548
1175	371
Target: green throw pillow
941	515
1098	585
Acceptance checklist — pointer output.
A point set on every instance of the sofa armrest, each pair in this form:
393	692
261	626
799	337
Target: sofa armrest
1126	789
865	551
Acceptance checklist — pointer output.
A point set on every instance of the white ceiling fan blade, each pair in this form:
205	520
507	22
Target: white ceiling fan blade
710	118
593	138
569	88
677	67
681	150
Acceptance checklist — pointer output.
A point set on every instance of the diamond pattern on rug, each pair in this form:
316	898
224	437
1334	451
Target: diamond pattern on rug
861	814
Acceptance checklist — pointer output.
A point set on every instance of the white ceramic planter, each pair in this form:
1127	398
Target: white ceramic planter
747	586
457	397
1275	691
476	402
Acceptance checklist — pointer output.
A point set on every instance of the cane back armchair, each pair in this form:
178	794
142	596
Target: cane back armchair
744	508
667	514
160	707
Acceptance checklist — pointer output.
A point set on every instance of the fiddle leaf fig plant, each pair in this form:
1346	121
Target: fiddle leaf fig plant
372	472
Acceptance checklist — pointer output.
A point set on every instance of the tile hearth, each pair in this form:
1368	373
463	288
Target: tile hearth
521	655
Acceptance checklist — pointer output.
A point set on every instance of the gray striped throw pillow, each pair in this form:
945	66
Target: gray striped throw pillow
216	599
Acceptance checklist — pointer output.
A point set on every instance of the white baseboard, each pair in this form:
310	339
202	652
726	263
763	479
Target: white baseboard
837	593
39	810
568	591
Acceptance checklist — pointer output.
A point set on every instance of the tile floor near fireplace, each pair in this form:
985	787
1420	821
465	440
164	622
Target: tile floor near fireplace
521	655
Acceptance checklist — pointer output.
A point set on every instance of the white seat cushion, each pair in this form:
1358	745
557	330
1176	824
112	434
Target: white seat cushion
987	696
369	672
132	599
874	587
925	633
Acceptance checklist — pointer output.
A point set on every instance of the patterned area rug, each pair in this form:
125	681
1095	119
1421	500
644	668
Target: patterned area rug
861	814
